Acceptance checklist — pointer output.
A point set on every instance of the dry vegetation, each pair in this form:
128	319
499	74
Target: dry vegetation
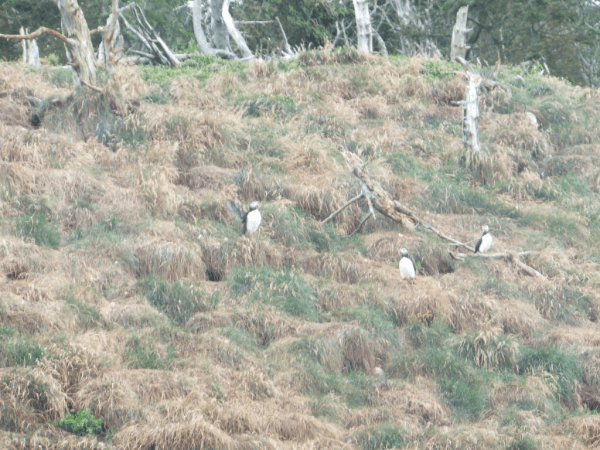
126	288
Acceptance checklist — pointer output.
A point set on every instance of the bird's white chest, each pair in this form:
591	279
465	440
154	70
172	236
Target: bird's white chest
407	270
486	243
253	220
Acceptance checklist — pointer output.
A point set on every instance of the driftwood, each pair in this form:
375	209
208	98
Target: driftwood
380	200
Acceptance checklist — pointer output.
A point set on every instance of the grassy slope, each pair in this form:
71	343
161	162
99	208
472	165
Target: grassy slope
126	287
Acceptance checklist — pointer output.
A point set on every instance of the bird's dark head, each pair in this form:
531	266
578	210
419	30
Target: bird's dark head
404	252
253	206
486	230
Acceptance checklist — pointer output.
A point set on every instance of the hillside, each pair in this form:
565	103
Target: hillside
127	288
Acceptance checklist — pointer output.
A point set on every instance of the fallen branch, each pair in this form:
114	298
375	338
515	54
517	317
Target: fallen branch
361	224
380	200
511	257
348	203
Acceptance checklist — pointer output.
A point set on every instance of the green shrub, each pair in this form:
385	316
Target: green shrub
82	424
381	436
179	301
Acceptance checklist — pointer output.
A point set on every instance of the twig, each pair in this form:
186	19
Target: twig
348	203
361	224
97	89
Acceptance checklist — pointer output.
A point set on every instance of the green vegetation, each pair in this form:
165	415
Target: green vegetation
36	223
381	437
144	353
18	350
285	289
83	423
178	301
564	367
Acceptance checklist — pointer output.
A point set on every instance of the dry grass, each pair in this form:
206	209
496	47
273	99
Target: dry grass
169	260
244	251
237	375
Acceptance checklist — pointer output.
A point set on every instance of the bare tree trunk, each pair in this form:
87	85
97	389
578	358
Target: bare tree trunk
234	32
22	32
80	51
33	53
112	44
471	113
198	31
363	25
220	35
459	45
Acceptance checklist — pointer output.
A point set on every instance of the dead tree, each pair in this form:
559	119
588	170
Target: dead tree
380	200
234	32
459	47
78	44
157	48
363	26
470	112
31	52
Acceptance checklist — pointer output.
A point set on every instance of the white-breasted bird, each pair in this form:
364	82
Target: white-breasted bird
407	270
250	219
485	241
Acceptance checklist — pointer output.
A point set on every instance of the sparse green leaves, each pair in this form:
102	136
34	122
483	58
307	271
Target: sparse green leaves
82	423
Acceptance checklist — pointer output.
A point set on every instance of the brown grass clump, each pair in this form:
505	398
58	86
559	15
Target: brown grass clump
489	348
245	251
361	351
299	427
169	260
423	301
335	267
416	401
33	388
207	177
109	400
586	428
464	437
70	367
192	433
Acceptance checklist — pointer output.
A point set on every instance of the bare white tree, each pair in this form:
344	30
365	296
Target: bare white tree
459	45
363	26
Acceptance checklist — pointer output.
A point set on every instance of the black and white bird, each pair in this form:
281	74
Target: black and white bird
485	241
407	270
250	219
